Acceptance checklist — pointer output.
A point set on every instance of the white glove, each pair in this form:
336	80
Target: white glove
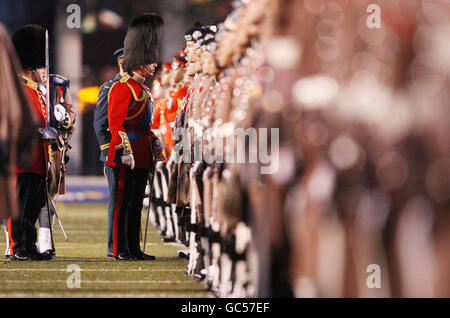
60	112
128	160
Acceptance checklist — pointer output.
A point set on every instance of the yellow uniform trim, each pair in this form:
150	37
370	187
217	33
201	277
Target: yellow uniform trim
144	96
31	84
126	145
105	146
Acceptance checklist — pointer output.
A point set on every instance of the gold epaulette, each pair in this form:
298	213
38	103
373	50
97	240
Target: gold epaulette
124	80
31	84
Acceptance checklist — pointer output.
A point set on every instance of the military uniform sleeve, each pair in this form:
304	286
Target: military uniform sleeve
101	119
119	99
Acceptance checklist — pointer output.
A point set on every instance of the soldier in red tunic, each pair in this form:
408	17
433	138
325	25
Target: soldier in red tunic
130	152
29	42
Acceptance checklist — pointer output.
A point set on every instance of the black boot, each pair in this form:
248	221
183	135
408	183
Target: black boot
141	256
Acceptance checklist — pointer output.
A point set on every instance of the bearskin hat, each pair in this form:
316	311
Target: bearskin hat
142	41
29	42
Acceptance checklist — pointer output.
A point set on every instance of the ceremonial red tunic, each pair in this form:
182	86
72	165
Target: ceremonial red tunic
174	102
129	113
37	100
156	123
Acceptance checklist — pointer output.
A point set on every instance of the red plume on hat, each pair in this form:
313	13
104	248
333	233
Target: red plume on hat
166	65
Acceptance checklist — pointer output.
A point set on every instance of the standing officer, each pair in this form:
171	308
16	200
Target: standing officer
29	42
130	151
101	128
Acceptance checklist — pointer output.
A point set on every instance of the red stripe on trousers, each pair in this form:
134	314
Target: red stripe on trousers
119	199
11	241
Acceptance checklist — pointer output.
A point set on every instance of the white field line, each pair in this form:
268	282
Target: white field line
68	231
92	270
105	281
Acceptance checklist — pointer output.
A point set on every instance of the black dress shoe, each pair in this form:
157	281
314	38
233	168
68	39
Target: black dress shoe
169	239
183	254
125	257
141	256
50	252
20	256
36	256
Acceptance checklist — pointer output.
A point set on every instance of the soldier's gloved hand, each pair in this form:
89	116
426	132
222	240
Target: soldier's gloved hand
128	160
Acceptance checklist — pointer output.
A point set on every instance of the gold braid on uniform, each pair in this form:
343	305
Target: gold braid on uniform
144	99
126	145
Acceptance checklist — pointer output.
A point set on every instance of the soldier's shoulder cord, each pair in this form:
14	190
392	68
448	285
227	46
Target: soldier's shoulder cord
125	78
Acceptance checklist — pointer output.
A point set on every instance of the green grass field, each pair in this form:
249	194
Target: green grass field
85	225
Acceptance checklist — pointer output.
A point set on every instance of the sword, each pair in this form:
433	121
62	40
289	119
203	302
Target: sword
47	77
49	133
58	189
47	125
57	217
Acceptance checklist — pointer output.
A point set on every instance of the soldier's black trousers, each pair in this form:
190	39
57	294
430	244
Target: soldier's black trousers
129	190
31	196
111	185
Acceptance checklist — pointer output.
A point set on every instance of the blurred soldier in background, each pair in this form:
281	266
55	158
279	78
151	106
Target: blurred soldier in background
62	118
362	184
360	137
29	43
17	141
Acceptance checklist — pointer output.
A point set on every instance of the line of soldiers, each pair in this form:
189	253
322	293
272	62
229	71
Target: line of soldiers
38	175
208	86
359	205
